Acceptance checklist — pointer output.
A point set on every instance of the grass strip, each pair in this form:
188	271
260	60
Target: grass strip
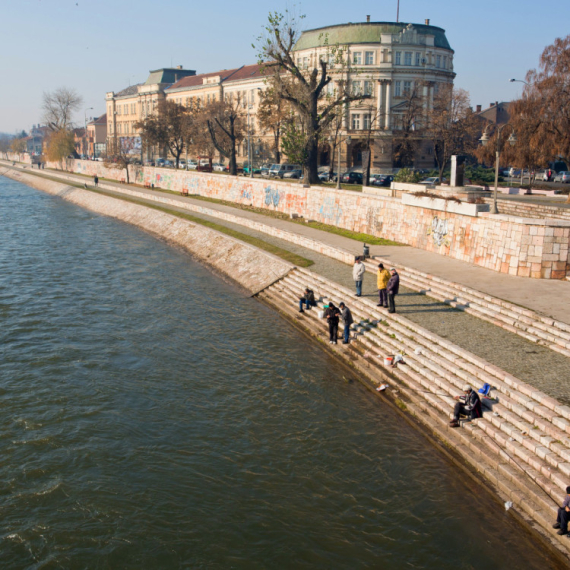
256	242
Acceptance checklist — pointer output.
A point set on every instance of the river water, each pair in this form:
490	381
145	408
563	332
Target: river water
152	416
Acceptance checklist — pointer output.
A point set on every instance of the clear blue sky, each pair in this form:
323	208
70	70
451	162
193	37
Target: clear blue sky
97	46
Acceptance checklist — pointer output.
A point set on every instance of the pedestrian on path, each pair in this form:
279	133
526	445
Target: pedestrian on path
382	282
563	515
358	274
96	181
347	320
393	287
332	315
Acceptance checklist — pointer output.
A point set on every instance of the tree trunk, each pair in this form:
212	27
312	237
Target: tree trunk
127	169
233	166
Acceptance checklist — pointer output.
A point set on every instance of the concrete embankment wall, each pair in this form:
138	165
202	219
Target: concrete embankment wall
537	248
248	266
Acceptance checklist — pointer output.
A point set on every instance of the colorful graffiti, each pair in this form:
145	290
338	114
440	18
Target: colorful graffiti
331	210
272	196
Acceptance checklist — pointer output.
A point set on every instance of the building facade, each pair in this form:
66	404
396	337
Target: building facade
97	137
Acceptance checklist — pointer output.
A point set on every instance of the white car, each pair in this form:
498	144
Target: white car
563	176
192	164
433	180
218	166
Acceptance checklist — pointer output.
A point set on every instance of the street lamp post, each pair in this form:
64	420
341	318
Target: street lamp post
85	131
348	140
484	140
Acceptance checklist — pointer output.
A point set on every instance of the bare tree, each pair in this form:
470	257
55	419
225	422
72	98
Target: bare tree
59	106
226	126
451	126
303	84
271	115
170	127
407	123
121	153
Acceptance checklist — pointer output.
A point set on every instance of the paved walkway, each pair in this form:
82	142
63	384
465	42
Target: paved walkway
545	296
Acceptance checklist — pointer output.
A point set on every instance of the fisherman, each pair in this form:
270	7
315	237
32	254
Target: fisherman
347	320
393	287
309	299
358	271
469	404
332	314
563	515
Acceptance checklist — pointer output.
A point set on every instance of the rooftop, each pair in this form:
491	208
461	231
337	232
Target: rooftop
226	76
365	33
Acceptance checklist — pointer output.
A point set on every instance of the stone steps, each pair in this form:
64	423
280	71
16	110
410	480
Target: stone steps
524	322
518	473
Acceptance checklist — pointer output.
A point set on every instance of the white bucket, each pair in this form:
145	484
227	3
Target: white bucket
388	361
321	314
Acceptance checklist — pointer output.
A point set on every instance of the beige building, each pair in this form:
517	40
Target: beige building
97	136
387	61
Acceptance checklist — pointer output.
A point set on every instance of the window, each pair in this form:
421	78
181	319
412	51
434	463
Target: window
366	121
369	58
418	58
408	58
436	88
357	87
331	60
355	122
305	63
208	98
407	87
118	109
438	60
369	88
357	58
397	88
330	89
444	62
398	57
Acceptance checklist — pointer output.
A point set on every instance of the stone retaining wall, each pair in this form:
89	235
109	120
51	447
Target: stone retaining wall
248	266
529	210
536	248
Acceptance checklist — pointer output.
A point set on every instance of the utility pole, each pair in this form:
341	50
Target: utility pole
398	12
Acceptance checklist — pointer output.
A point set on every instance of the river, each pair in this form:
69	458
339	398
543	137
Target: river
153	416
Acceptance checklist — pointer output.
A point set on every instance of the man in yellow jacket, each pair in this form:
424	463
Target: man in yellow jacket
383	278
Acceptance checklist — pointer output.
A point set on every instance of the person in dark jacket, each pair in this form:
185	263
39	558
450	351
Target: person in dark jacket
563	515
332	315
309	299
469	404
96	181
347	320
393	287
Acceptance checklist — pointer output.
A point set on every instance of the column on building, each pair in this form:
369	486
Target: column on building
388	121
379	106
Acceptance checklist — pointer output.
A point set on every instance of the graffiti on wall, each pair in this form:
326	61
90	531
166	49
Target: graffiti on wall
439	231
331	210
272	196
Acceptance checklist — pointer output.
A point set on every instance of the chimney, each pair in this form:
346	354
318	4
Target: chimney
368	19
478	108
427	21
179	67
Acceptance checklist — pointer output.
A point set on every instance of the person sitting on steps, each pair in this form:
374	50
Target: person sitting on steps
309	299
468	405
563	515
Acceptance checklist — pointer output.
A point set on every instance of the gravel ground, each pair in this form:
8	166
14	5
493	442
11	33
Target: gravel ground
537	365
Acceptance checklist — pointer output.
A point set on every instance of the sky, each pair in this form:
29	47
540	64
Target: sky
95	46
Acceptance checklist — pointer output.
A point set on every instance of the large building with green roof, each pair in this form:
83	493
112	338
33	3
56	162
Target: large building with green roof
401	67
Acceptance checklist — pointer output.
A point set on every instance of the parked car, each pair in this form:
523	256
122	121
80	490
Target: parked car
265	169
168	164
160	162
352	178
433	180
181	163
563	176
205	161
278	170
218	166
146	162
246	169
381	180
326	176
298	173
192	164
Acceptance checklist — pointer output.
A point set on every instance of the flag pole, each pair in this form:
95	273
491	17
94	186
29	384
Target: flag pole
398	12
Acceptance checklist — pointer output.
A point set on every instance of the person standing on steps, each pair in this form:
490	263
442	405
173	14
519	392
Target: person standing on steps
358	274
332	314
469	404
382	282
347	320
392	287
563	515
